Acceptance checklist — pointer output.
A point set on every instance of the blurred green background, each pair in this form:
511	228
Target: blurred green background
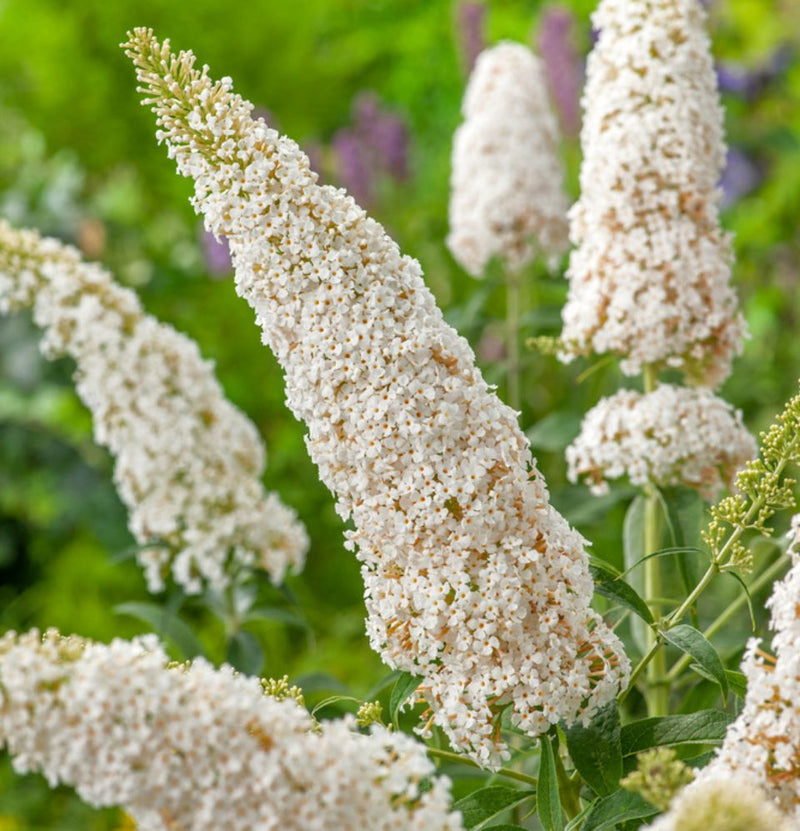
78	161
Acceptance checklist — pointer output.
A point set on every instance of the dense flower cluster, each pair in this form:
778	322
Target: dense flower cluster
722	803
192	748
473	580
763	743
649	278
187	461
673	435
507	195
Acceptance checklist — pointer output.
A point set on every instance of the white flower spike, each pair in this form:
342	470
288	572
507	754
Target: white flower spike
191	748
507	186
650	276
473	581
188	463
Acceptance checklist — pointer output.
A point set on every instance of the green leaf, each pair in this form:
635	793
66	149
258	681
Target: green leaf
703	727
482	806
403	689
616	808
165	624
548	803
694	643
615	588
737	681
596	751
381	685
245	653
555	431
333	699
505	827
685	512
633	551
747	596
274	613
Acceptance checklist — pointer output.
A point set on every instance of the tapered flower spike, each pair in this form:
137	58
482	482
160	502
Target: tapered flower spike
650	276
763	743
507	191
473	581
671	436
188	747
753	783
188	463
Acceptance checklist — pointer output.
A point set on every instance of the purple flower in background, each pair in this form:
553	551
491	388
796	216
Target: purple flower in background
353	165
740	177
376	145
562	64
217	255
384	133
750	83
471	18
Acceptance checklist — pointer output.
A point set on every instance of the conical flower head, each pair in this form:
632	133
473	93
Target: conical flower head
507	194
763	743
650	276
188	747
473	581
188	463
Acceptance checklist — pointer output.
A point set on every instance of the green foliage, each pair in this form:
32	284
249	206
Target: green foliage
77	156
596	751
702	727
548	802
487	804
762	488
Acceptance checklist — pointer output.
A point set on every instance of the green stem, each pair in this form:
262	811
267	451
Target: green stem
507	772
513	315
765	577
656	691
570	801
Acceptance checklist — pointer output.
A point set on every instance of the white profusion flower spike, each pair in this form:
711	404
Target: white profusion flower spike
192	748
507	185
763	743
671	436
722	803
650	277
188	463
473	581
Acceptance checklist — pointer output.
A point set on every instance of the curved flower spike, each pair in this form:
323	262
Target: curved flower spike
650	277
186	747
188	463
473	580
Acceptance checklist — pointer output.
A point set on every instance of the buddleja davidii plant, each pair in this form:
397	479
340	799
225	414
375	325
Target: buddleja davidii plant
610	771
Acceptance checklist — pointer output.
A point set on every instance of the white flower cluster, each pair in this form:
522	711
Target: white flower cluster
722	803
649	279
507	192
188	463
794	534
473	580
673	435
753	783
763	743
193	748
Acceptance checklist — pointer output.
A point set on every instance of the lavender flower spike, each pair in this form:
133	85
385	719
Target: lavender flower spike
562	64
473	580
